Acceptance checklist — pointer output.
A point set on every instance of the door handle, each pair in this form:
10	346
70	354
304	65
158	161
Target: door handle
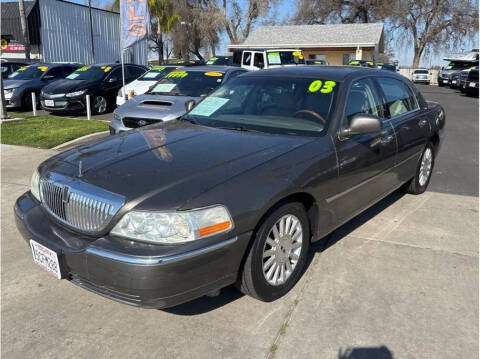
422	123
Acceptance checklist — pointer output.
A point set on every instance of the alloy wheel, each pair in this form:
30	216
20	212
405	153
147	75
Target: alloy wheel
425	167
282	249
100	104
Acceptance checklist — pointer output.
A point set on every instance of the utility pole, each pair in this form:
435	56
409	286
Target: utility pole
91	29
23	24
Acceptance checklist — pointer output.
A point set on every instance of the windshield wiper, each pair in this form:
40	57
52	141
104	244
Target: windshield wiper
188	119
238	128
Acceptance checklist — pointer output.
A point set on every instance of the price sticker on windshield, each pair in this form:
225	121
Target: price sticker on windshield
42	68
322	87
106	68
158	68
208	106
84	68
176	74
23	68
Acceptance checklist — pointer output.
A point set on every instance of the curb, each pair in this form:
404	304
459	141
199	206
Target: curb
9	120
77	141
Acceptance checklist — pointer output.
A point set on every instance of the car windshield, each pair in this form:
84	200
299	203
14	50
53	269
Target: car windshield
29	72
421	71
291	106
285	57
89	73
156	73
454	65
188	83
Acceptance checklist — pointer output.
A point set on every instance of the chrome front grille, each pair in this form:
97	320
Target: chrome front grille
79	205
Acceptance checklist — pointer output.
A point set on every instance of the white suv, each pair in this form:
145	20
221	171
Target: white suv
265	59
421	75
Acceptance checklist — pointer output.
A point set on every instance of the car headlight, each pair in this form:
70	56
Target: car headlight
116	116
10	90
174	227
76	93
35	185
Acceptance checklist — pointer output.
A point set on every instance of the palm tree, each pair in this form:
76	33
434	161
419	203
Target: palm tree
23	24
166	19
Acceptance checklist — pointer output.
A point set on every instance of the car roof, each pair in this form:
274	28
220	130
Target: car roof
335	73
54	64
217	68
113	64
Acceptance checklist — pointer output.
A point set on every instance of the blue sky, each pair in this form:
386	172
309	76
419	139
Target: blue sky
285	8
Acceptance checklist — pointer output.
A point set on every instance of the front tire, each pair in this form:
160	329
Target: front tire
99	105
419	183
278	254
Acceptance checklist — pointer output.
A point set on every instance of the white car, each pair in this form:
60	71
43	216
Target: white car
421	75
144	82
253	60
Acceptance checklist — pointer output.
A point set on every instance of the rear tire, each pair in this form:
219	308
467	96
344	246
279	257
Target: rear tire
27	101
284	247
423	174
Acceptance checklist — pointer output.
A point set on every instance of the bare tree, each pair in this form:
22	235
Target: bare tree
334	11
238	20
433	25
23	24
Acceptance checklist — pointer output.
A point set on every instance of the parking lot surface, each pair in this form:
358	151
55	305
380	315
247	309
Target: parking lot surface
398	281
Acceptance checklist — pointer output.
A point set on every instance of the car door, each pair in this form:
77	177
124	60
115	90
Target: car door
364	160
113	82
409	122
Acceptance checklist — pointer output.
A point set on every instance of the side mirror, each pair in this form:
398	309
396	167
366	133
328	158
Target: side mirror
189	105
362	123
442	68
48	77
261	65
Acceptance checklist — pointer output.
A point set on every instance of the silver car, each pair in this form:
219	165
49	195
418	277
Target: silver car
166	100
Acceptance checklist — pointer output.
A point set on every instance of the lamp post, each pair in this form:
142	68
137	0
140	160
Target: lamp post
91	29
3	108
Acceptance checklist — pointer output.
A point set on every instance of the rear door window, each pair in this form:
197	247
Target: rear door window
258	60
398	96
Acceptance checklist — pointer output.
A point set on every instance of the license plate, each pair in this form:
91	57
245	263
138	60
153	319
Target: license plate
45	258
472	84
50	103
454	81
445	81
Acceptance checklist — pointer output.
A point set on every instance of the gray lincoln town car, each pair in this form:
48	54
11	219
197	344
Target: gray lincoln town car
233	192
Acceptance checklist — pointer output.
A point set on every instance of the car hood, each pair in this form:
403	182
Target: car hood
171	162
155	107
66	86
140	87
10	84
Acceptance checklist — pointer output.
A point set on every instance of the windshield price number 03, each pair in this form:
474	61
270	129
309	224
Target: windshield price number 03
327	87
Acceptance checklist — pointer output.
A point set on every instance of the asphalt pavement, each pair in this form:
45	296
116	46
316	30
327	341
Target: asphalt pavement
398	281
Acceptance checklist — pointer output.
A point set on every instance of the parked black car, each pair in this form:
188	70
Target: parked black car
100	81
19	86
468	81
316	62
220	61
9	67
235	191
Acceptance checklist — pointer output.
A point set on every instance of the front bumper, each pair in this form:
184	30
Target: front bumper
13	101
117	126
167	276
65	104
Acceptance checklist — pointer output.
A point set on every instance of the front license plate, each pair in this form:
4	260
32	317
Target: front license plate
445	81
472	84
45	258
50	103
